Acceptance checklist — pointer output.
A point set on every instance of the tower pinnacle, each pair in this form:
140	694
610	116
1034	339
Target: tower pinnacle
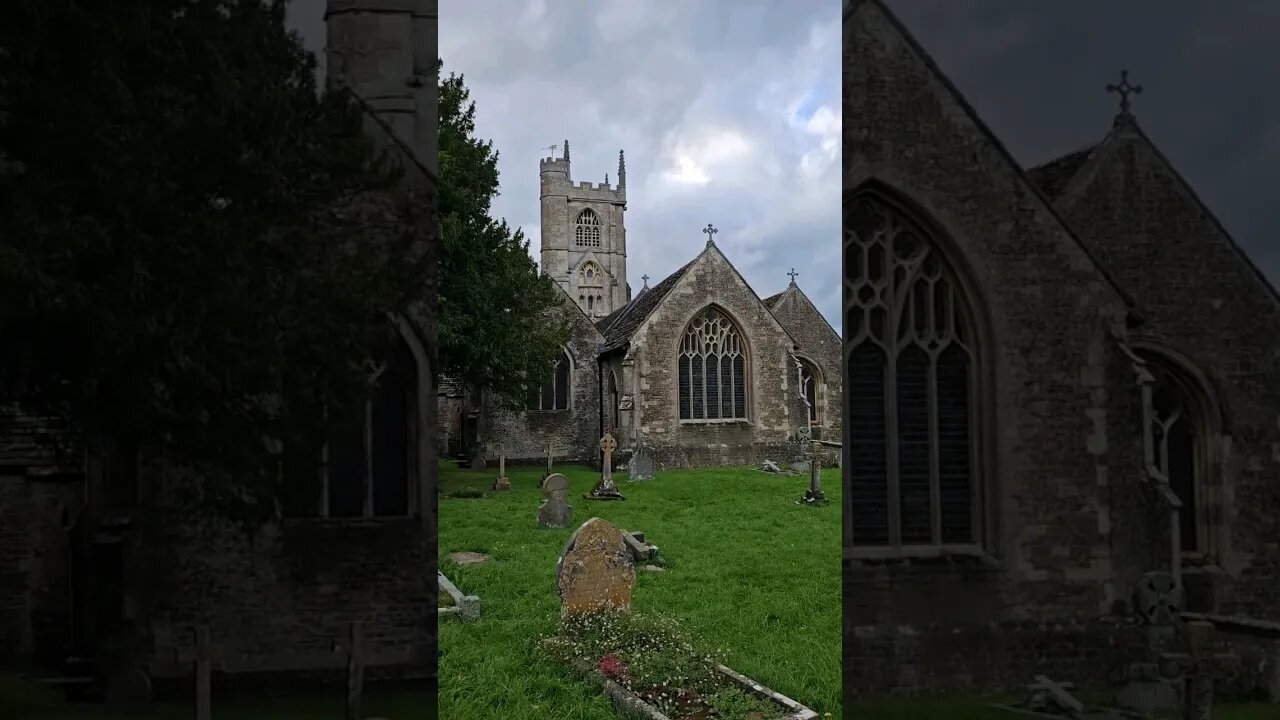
566	151
622	170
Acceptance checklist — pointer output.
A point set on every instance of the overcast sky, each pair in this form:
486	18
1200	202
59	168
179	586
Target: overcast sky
729	109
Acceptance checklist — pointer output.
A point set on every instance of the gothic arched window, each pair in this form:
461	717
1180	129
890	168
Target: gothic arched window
586	229
712	369
554	393
1179	436
811	389
591	288
911	359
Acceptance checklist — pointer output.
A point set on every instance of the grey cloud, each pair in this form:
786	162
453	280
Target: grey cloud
609	76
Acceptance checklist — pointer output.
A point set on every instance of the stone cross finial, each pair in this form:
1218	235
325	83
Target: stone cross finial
645	278
710	230
793	275
1123	89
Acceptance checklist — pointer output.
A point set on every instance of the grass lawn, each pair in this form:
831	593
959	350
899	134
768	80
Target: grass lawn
748	571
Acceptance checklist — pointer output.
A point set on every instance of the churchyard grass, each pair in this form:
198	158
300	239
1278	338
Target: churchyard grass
749	572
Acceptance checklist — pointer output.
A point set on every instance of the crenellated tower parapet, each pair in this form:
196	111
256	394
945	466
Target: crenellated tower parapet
584	244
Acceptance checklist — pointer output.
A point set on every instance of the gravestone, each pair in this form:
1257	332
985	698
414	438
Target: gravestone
641	465
555	510
1154	682
770	466
604	488
549	471
128	689
468	557
641	551
814	496
1158	598
127	685
595	571
502	482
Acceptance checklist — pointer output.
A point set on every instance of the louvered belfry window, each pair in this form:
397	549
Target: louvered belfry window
587	229
712	368
910	358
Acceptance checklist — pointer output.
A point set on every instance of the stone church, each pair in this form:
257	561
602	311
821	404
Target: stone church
106	573
1062	402
698	370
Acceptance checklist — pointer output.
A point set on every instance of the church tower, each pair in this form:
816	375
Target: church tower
385	52
584	240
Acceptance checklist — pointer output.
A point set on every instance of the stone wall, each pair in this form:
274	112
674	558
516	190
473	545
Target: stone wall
1205	307
276	600
35	600
775	409
575	432
985	657
820	344
1054	389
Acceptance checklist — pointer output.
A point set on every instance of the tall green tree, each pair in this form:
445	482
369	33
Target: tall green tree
499	325
197	248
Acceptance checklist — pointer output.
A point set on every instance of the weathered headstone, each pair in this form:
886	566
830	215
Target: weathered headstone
355	671
1205	667
1158	598
640	550
770	466
1154	680
1060	694
201	658
550	450
502	482
127	685
128	689
555	511
641	465
604	488
468	557
466	607
595	571
814	496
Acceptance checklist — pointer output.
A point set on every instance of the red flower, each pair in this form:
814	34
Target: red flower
611	667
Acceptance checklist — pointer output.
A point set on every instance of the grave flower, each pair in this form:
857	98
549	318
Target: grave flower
611	667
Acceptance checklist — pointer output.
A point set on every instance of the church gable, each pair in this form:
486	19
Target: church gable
714	279
910	129
758	402
819	349
1141	219
1211	316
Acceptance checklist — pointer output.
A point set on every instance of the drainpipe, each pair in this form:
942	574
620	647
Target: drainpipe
600	390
